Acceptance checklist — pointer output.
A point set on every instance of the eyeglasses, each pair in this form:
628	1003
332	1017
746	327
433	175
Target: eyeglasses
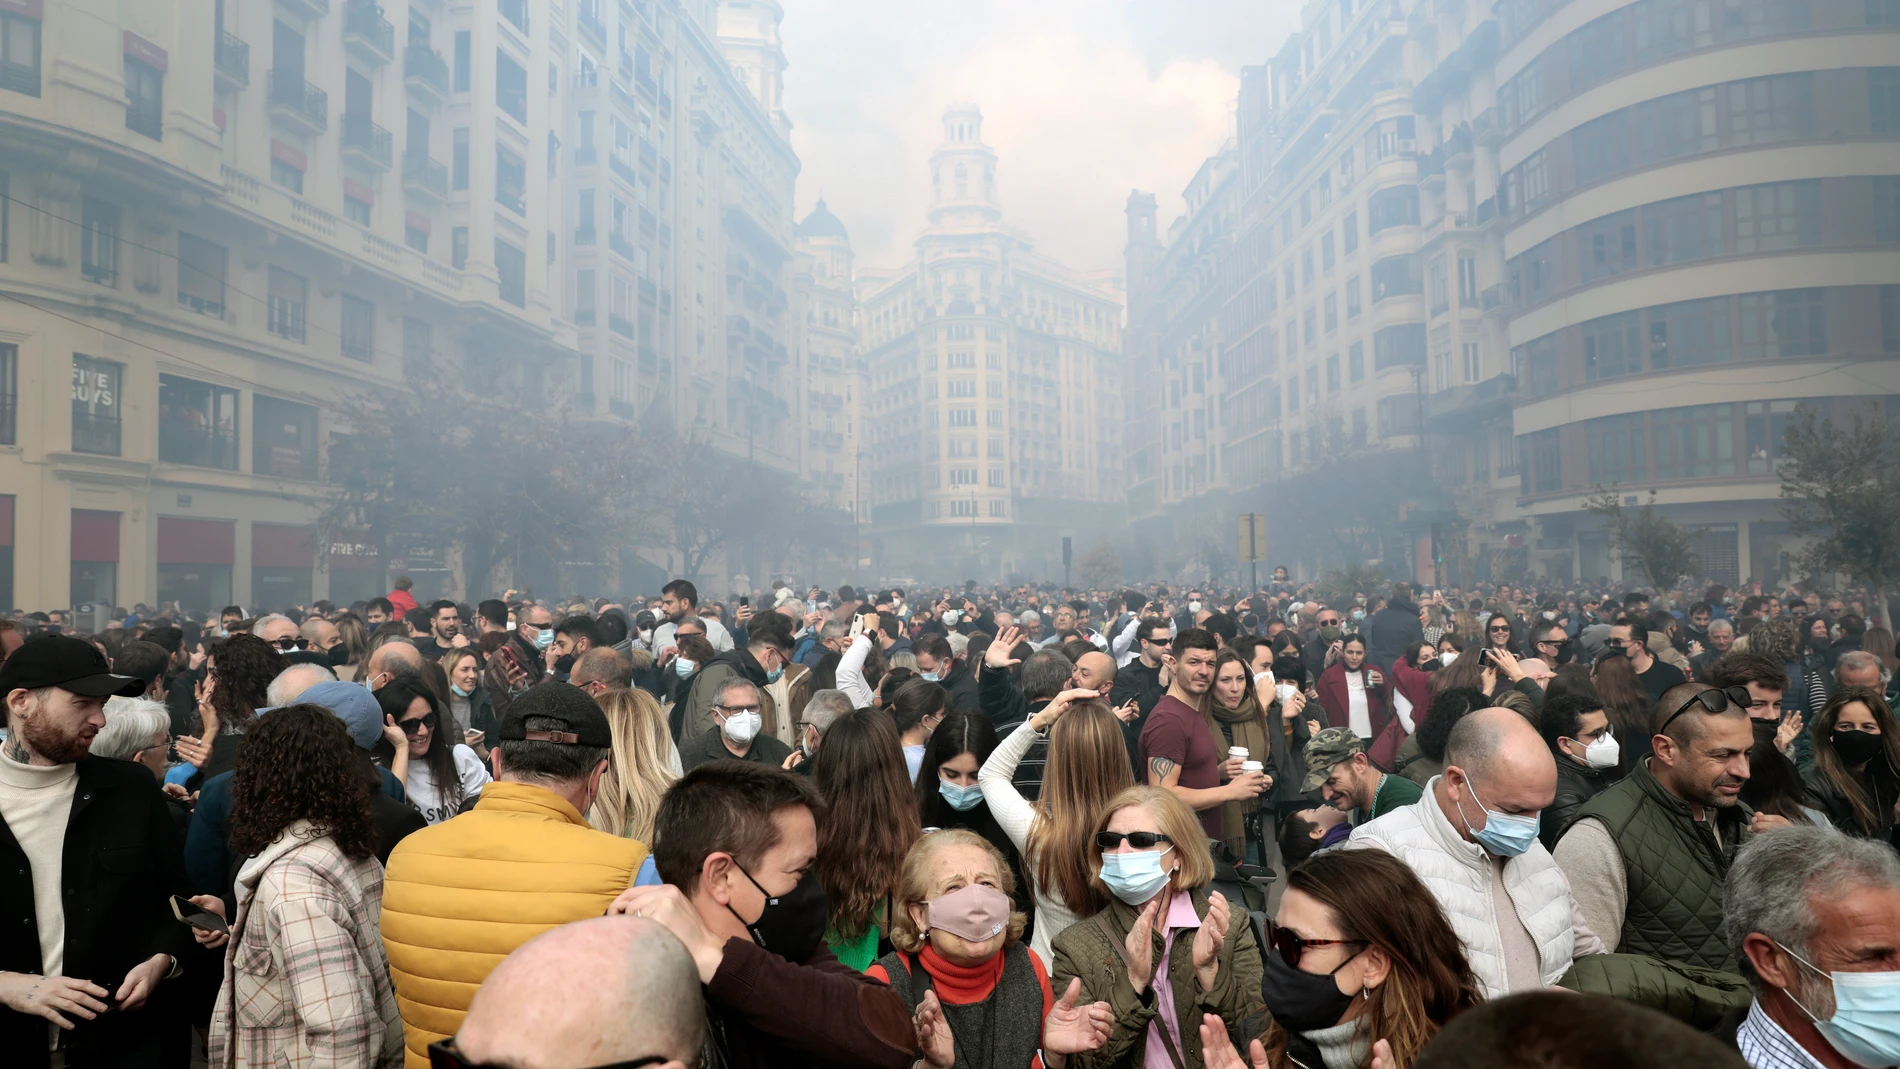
1140	840
290	643
1292	948
1616	643
443	1055
413	727
1504	629
733	710
1330	622
1715	700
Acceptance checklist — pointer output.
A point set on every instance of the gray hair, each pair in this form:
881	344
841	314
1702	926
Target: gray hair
833	631
1776	877
132	724
719	697
825	707
1046	674
1720	625
257	625
1856	660
293	681
1029	616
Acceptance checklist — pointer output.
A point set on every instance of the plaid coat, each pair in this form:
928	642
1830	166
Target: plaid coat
306	982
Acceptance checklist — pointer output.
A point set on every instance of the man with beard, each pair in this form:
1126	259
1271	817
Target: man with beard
1182	752
1721	640
87	839
1646	857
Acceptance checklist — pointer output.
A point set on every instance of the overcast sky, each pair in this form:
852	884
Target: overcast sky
1083	101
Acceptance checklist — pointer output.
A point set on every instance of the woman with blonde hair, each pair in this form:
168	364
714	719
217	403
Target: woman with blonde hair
1165	950
983	1000
642	765
1087	764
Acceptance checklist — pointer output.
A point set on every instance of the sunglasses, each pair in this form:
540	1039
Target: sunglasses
413	727
1140	840
443	1055
1292	948
1333	622
1715	700
290	643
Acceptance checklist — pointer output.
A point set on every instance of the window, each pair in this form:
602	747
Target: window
1688	333
1695	442
1783	324
1312	385
464	59
511	87
1883	99
458	247
1332	312
1438	280
1772	109
1356	361
197	423
511	181
1890	318
99	242
283	438
1396	206
201	266
1398	415
458	158
1886	211
1533	275
5	203
1610	348
359	329
9	394
1332	373
1467	281
356	211
1349	232
1616	449
1602	147
1400	346
19	54
1780	215
1352	297
414	236
1395	276
1767	430
1306	267
1607	246
287	174
1676	125
284	305
1548	460
1293	393
1473	368
418	346
96	409
1326	257
144	99
1310	324
963	417
1537	365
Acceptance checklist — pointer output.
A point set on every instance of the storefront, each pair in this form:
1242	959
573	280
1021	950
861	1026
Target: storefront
282	559
95	557
194	562
355	567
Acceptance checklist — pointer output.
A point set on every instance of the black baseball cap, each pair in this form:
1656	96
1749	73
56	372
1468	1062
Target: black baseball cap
67	663
582	722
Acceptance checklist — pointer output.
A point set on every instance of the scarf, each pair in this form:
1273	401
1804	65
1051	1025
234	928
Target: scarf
1250	731
961	985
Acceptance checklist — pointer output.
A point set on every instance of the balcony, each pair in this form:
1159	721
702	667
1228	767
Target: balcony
367	144
298	103
516	12
1487	210
425	72
1463	409
620	325
619	244
187	442
307	9
96	433
1485	129
425	177
583	235
232	61
1492	300
367	34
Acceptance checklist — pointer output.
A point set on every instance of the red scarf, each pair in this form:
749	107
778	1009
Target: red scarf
962	984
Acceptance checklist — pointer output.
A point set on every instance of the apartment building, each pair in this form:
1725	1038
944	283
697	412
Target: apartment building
834	369
218	221
995	406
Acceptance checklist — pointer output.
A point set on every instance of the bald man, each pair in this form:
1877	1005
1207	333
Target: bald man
641	1001
390	662
1472	839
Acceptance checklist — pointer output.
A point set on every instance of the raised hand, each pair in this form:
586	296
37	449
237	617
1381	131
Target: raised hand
1217	1048
939	1047
1073	1029
997	655
1209	940
393	734
1128	712
1140	946
1789	730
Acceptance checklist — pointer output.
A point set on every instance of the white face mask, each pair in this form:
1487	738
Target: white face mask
1194	606
1604	752
1447	657
742	728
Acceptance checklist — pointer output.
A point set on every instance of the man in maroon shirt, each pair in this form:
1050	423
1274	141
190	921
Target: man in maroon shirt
735	843
1181	750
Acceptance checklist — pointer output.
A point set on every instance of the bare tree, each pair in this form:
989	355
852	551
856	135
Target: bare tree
1843	489
1643	538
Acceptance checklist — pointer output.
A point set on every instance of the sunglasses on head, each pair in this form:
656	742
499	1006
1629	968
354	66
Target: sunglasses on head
1715	700
1140	840
443	1055
1292	948
412	727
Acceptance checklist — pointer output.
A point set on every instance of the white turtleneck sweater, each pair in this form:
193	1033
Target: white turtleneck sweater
35	803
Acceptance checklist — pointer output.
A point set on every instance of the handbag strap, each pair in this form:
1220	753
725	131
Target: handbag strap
1121	951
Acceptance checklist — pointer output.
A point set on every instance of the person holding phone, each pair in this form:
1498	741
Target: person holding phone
1353	692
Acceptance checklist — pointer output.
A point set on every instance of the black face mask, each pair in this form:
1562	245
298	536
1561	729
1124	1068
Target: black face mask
1302	1001
339	655
1856	747
793	923
564	663
1765	732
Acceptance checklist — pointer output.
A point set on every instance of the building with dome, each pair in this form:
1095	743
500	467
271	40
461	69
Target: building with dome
992	385
833	386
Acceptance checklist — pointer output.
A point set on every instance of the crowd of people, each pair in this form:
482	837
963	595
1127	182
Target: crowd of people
970	828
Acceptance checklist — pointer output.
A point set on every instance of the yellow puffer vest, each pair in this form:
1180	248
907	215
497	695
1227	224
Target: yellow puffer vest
462	895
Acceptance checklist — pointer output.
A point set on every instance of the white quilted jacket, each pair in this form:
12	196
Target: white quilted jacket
1455	871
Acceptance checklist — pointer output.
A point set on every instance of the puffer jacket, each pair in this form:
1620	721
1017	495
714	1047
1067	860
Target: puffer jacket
1696	996
1457	873
462	895
1094	948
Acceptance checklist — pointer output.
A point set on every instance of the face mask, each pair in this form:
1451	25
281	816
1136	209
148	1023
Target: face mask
544	638
741	728
369	682
975	913
775	674
1194	606
1330	634
1765	731
564	663
511	625
1604	752
791	924
1134	877
951	616
1503	834
1445	658
931	677
1359	614
1856	747
961	799
683	667
1302	1001
459	692
806	746
1865	1027
339	655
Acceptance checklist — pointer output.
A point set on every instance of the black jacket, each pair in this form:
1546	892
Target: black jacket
1825	795
961	683
1140	684
122	859
1576	784
1391	629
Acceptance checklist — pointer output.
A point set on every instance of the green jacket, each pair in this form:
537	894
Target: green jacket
1697	997
1085	950
1673	868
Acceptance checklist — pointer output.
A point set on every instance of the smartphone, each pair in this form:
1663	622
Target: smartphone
188	912
745	599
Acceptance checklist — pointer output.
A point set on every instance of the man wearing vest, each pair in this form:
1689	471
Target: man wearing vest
1647	857
526	845
1472	839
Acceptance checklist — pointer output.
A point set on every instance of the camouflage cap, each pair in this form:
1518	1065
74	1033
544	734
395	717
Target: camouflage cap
1326	749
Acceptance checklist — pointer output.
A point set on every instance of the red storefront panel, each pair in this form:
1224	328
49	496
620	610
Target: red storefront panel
182	541
95	535
279	546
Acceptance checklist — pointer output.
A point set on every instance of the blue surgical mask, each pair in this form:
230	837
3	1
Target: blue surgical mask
1865	1027
931	677
775	674
1503	834
1135	877
544	638
459	692
684	667
961	799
